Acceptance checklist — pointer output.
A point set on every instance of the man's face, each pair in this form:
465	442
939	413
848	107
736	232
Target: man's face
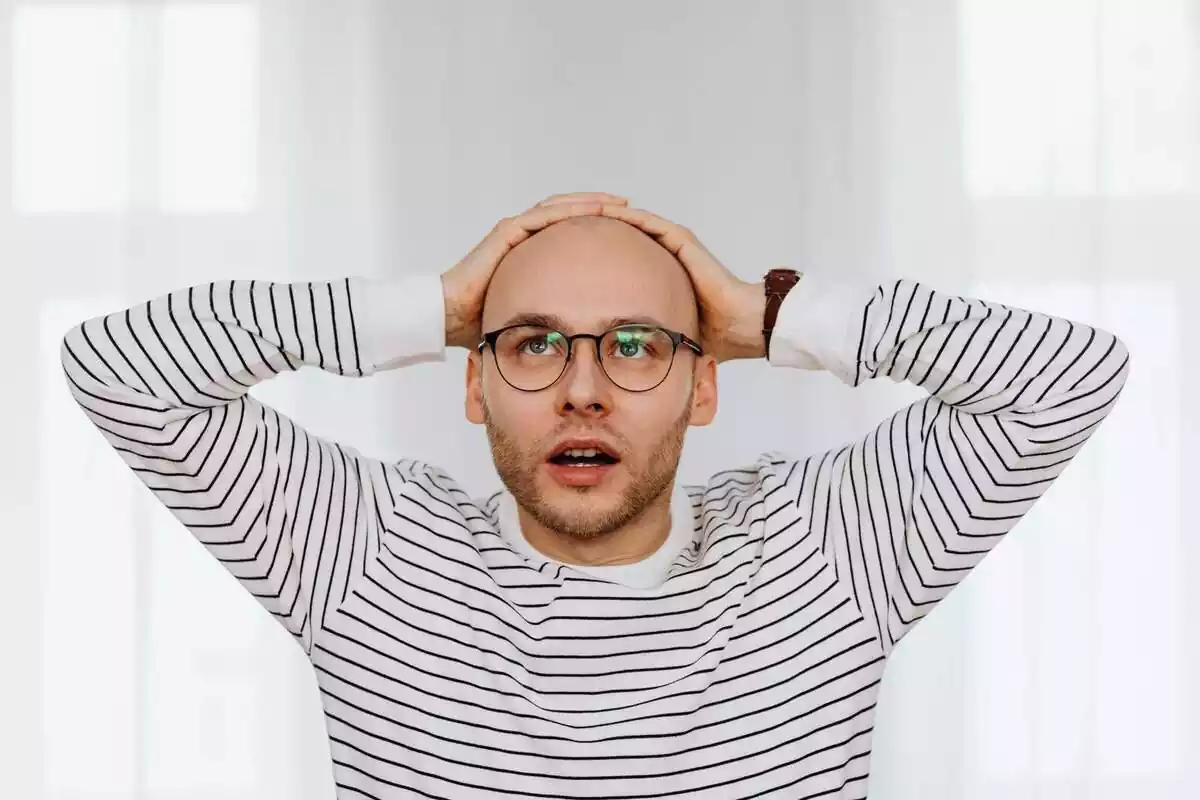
587	272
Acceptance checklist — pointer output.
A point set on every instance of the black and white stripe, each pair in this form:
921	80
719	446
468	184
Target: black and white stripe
452	667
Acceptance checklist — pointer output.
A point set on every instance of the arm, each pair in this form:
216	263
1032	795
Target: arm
906	512
166	383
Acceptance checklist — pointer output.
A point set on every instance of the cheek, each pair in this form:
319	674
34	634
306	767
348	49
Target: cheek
645	421
524	418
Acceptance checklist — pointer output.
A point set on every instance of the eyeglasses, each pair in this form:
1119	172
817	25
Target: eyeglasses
637	358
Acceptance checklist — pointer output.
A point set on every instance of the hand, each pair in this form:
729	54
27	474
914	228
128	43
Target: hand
731	310
464	285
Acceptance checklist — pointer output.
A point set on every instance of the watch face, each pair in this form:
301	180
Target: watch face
781	277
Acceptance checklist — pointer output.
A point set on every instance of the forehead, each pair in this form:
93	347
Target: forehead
590	269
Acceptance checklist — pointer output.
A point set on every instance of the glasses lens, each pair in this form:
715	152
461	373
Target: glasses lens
531	357
636	357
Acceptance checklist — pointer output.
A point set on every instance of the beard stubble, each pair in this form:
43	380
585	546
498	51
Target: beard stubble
518	472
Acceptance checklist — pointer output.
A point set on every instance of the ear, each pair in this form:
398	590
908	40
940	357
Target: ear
474	396
704	392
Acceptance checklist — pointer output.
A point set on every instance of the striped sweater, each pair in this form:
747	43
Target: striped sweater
452	666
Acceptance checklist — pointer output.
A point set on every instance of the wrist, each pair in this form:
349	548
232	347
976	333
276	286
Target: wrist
746	330
460	325
456	333
777	284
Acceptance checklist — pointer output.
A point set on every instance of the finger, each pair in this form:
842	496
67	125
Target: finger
541	216
584	197
671	235
674	238
525	225
651	223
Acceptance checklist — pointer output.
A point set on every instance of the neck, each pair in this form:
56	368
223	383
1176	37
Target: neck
632	542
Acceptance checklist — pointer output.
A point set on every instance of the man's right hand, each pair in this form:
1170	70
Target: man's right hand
464	285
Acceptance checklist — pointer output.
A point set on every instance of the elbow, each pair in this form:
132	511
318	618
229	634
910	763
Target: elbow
72	345
69	347
1121	357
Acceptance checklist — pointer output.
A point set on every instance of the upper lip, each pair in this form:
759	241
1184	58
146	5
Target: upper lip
584	443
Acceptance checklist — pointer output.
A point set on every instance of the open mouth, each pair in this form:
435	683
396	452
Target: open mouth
589	455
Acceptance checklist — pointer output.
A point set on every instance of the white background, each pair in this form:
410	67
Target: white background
1043	153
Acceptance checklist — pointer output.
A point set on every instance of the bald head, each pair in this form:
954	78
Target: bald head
589	271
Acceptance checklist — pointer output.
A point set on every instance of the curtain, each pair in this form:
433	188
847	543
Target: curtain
1043	154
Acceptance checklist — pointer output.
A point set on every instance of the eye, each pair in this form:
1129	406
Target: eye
629	348
539	344
631	344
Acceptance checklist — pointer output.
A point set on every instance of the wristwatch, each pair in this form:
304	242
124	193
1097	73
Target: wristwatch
777	283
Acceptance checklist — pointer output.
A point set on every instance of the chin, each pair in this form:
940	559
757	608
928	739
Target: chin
599	506
582	515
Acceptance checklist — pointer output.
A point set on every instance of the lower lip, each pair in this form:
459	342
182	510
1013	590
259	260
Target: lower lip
569	475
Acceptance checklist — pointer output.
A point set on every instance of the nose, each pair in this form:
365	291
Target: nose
584	387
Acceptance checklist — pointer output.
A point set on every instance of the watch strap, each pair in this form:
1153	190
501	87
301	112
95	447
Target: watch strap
776	283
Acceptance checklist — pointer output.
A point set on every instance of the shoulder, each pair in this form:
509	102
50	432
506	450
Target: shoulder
769	472
751	478
423	481
765	466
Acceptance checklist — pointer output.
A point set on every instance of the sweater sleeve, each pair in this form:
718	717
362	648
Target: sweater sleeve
906	512
166	382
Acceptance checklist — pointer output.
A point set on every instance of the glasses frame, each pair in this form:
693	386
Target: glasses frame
677	339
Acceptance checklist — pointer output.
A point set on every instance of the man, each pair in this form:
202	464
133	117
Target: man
596	630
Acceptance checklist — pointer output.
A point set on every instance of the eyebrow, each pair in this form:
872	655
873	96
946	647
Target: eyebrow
559	324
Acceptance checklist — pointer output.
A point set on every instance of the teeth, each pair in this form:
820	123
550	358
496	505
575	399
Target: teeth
588	453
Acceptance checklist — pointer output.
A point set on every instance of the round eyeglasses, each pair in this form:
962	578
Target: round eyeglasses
637	358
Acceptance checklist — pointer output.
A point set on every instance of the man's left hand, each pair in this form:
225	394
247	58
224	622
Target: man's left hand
731	309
